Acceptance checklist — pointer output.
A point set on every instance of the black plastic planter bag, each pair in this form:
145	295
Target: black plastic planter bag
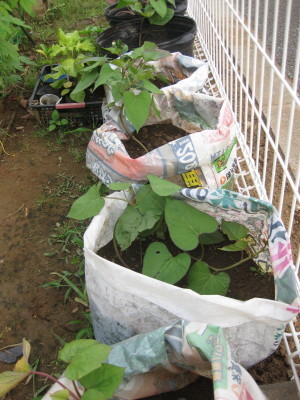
210	149
116	15
176	35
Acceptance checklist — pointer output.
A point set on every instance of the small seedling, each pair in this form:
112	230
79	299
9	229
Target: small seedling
91	377
258	271
56	122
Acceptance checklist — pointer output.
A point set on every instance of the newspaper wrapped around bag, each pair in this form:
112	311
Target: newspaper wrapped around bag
124	303
210	149
171	357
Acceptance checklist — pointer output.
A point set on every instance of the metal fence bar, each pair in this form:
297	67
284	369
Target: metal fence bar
251	66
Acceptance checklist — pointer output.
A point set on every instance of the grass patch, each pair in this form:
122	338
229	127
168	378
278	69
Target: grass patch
69	16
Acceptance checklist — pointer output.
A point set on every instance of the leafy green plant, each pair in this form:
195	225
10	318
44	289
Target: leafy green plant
70	45
56	122
92	378
156	11
10	58
154	211
75	73
131	77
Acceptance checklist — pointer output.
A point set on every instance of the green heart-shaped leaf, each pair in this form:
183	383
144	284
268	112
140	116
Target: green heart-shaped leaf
93	394
137	107
87	361
105	379
147	200
88	205
186	223
119	186
108	76
160	264
202	281
127	227
211	238
161	186
159	6
234	230
156	19
72	349
237	246
149	220
60	395
131	223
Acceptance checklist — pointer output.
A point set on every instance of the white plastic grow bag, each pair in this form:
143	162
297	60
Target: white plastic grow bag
124	303
210	149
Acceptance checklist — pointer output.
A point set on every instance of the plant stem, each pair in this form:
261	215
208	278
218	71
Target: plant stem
141	31
117	250
128	133
140	143
117	198
56	381
239	262
124	122
202	251
201	256
141	251
76	388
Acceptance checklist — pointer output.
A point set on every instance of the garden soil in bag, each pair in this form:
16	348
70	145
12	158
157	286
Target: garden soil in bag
210	148
124	303
169	358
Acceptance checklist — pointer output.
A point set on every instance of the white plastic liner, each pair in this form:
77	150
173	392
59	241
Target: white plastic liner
124	303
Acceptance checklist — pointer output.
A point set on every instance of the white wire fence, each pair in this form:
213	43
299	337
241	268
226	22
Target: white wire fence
253	49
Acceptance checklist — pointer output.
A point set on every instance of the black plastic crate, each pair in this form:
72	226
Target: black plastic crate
88	113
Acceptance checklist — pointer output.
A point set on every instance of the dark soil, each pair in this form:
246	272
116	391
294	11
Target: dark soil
244	285
201	389
28	178
153	136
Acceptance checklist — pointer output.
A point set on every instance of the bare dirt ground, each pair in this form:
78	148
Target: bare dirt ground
27	310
